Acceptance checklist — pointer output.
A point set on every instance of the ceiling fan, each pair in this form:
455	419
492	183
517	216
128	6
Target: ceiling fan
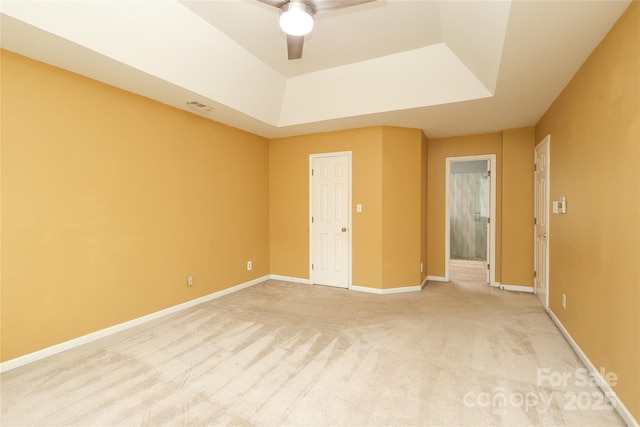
296	18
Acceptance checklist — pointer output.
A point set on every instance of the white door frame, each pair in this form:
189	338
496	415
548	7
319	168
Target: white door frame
545	140
492	214
349	213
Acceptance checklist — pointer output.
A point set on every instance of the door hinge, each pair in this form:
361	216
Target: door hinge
535	167
489	173
535	221
312	266
488	220
311	172
311	220
488	266
535	274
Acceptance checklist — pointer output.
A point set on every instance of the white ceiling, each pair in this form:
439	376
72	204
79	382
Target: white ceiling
446	67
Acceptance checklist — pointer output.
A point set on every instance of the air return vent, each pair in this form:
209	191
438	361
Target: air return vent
199	107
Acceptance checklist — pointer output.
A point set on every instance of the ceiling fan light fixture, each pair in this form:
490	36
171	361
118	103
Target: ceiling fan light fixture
296	18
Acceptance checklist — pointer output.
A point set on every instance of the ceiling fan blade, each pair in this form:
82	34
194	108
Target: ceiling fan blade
274	3
294	46
320	6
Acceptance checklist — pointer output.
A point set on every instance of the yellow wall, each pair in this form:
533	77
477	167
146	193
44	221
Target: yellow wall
109	201
289	208
424	163
386	181
595	247
439	150
401	206
517	206
514	200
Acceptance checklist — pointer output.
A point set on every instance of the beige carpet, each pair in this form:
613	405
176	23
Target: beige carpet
289	354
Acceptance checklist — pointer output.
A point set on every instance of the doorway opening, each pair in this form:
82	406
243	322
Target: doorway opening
470	219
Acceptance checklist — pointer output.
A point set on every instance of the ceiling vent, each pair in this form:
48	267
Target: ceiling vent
199	107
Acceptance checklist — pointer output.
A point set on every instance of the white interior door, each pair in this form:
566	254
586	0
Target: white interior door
541	222
330	235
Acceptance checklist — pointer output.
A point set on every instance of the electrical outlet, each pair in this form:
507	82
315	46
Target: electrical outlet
564	301
189	280
249	265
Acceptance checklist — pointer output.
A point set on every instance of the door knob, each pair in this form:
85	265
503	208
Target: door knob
344	229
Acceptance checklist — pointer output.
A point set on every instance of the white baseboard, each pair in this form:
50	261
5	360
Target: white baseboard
85	339
356	287
437	279
401	290
424	283
289	279
517	288
366	289
386	291
606	388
